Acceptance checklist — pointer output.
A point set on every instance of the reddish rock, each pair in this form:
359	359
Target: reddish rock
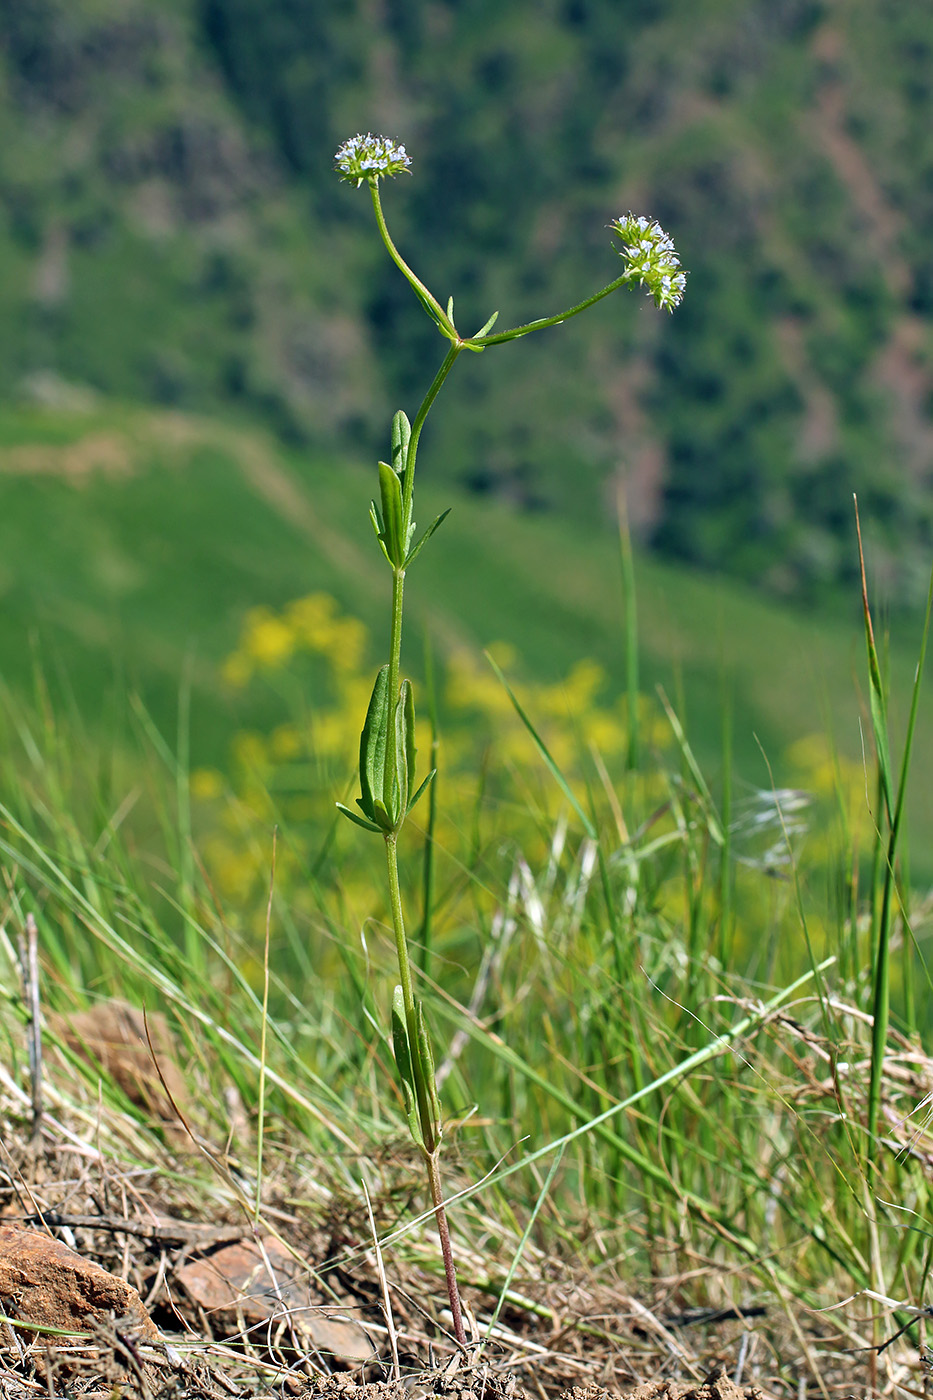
137	1051
233	1287
45	1283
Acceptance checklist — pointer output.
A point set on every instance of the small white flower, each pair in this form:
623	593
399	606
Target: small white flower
651	258
369	157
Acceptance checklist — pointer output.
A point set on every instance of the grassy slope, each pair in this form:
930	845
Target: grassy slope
131	544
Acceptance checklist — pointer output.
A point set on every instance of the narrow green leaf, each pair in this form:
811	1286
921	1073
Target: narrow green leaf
373	743
543	751
713	823
429	1078
378	530
413	554
914	709
431	311
423	788
450	308
401	436
403	761
879	729
526	1235
403	1060
488	326
881	971
390	490
359	821
877	701
381	816
407	701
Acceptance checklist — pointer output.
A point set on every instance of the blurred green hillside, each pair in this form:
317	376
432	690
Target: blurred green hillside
171	232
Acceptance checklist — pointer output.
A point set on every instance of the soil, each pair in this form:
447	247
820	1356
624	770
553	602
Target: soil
110	1288
71	1326
152	1279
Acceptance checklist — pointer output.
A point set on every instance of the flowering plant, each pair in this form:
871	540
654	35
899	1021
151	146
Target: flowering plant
387	768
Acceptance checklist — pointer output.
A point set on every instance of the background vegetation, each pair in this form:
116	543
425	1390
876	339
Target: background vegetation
172	233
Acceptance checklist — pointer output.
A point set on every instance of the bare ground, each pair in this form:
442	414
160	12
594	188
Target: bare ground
205	1303
135	1260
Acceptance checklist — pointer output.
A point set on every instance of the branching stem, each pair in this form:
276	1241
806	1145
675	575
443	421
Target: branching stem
654	263
427	299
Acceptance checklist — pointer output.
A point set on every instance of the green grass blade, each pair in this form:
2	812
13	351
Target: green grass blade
543	751
709	808
877	699
881	980
630	612
526	1233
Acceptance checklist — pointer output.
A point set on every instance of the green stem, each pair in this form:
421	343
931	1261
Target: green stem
439	315
408	484
450	1272
395	662
398	573
429	1132
422	1068
428	300
408	991
545	321
398	922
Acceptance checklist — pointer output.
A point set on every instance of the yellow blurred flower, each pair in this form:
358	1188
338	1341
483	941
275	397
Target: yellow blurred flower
267	638
206	784
489	763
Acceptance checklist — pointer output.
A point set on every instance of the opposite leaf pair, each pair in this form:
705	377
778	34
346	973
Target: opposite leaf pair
392	530
416	1069
384	799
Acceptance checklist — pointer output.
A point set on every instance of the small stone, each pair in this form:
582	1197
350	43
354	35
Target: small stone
233	1287
46	1284
137	1051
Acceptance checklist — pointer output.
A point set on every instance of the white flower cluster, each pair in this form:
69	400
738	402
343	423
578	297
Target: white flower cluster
368	157
651	257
